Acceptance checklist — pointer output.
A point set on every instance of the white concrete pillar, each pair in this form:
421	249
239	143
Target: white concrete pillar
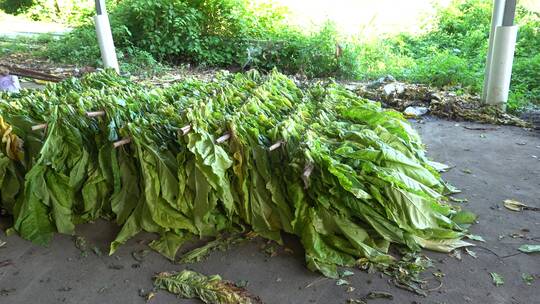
104	35
496	20
500	73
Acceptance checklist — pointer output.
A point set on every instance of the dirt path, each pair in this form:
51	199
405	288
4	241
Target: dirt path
490	166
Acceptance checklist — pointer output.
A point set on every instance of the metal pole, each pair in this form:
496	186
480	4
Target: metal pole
509	13
104	35
496	20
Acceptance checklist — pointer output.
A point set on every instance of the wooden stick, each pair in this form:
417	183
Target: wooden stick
276	145
95	113
185	130
39	127
122	142
15	70
223	138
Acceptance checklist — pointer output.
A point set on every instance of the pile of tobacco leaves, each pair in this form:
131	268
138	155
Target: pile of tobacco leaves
241	152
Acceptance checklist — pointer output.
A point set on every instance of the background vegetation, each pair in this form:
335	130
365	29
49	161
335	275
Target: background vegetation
239	34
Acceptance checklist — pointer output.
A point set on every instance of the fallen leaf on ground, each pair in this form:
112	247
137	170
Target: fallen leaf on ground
514	205
498	280
456	254
346	273
379	295
475	237
140	255
356	301
209	289
342	282
471	253
527	278
528	248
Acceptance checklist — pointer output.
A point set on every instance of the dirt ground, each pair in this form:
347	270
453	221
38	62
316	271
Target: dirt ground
491	165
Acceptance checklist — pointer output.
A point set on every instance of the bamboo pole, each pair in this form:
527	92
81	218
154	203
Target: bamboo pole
276	145
40	127
185	130
95	113
122	142
223	138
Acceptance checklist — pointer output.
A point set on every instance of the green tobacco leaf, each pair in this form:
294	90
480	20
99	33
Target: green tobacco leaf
498	280
169	243
528	248
464	217
33	221
220	243
209	289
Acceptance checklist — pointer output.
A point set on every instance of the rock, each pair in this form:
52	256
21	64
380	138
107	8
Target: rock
394	89
415	111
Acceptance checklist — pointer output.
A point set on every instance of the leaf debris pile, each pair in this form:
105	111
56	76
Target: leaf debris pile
441	103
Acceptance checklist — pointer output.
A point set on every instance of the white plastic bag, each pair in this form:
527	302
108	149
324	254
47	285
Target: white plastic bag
10	83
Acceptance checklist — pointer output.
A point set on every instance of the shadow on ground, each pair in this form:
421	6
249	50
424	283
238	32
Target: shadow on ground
491	165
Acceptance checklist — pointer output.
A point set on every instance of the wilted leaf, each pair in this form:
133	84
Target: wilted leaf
514	205
498	280
464	218
456	254
528	248
209	289
346	273
356	301
379	295
471	253
458	200
475	237
341	282
438	274
527	278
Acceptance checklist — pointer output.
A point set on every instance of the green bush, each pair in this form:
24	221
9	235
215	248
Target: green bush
223	33
238	34
15	6
446	69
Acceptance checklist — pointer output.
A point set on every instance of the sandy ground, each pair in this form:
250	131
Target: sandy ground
501	165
